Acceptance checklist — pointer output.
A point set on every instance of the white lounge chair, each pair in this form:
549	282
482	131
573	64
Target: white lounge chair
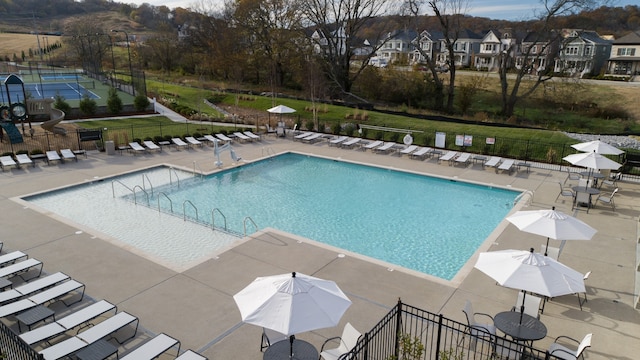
463	158
32	287
303	135
67	154
179	143
43	297
153	348
20	267
252	135
151	145
351	142
409	149
506	165
191	355
421	153
373	144
313	137
52	155
348	341
211	139
493	161
386	147
337	140
224	137
68	322
193	141
12	257
91	335
7	161
241	136
449	156
137	148
24	159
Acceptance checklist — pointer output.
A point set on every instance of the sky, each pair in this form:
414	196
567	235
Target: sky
493	9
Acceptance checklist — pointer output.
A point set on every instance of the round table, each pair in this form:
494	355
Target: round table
588	189
526	328
281	350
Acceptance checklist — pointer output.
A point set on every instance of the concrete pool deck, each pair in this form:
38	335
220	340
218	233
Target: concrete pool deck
196	305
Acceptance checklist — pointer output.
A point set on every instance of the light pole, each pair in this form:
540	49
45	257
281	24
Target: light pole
128	52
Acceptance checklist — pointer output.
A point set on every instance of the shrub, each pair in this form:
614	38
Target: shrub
349	129
61	104
36	152
88	106
22	152
8	153
114	103
336	128
140	103
309	125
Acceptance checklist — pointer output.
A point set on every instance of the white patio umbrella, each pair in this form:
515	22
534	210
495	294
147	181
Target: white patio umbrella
597	146
281	109
529	271
552	224
292	303
592	161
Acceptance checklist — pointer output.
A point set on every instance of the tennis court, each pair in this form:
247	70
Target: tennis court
68	90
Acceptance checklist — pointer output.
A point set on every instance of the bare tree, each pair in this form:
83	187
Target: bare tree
535	54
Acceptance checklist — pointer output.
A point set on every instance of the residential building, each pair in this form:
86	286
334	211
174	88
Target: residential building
582	52
464	49
427	44
537	51
493	44
625	55
397	47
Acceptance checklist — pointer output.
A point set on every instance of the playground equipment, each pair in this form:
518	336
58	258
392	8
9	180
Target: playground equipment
217	150
43	107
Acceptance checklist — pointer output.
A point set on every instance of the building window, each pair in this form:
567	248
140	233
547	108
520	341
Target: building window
587	50
626	51
488	47
572	50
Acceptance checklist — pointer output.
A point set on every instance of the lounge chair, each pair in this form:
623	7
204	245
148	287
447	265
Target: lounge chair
24	159
21	267
463	158
351	142
32	287
68	322
493	161
337	140
270	337
67	154
312	138
43	297
421	153
153	348
224	137
137	148
303	135
12	257
408	150
52	155
241	136
449	156
179	143
193	141
564	352
386	147
348	341
7	161
103	329
151	145
531	305
506	165
191	355
251	135
373	145
211	139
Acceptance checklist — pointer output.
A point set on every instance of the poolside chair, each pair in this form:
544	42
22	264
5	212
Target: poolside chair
151	145
153	348
450	155
373	145
409	149
572	176
251	135
351	142
386	147
582	198
531	305
422	153
302	135
564	352
608	198
41	298
191	355
505	349
67	154
179	143
348	341
580	300
69	322
32	287
241	136
493	161
6	161
52	155
270	337
463	158
212	139
137	148
193	141
24	159
21	267
101	330
337	140
552	252
12	257
612	180
565	192
478	330
506	165
224	137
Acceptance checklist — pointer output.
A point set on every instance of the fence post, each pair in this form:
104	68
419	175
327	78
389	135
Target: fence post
438	336
398	326
133	136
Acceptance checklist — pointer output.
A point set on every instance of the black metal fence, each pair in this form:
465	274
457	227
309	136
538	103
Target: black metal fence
13	348
407	332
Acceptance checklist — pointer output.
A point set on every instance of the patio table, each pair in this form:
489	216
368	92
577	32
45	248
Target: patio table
302	350
528	329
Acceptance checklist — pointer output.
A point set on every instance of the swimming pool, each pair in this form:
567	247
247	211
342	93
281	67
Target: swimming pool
422	223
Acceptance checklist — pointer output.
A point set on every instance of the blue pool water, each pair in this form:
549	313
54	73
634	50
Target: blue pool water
427	224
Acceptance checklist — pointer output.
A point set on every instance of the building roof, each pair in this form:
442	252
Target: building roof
632	38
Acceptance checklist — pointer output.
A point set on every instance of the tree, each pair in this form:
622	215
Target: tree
536	53
87	105
114	103
340	27
162	49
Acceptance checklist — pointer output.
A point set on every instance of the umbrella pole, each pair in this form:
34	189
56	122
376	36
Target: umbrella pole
524	295
546	249
291	338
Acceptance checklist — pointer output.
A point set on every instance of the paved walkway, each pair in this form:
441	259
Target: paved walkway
196	305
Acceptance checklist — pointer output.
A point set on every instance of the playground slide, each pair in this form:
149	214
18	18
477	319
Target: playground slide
50	125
